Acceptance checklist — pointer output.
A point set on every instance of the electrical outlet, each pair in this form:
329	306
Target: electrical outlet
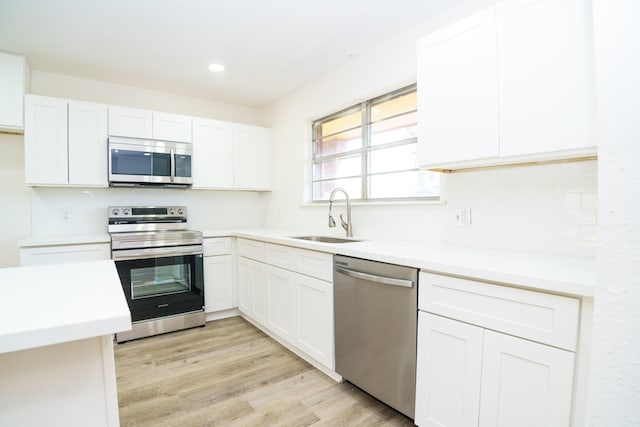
463	217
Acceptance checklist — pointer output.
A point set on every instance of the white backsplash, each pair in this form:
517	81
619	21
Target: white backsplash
546	209
59	211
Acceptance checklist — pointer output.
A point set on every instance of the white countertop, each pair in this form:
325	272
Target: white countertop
550	273
52	304
65	239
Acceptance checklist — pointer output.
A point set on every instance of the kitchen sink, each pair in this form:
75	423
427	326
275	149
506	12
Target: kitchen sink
326	239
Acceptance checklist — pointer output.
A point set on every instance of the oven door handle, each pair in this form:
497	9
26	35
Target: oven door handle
127	254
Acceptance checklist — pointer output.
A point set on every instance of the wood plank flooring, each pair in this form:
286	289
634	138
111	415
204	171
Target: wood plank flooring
230	373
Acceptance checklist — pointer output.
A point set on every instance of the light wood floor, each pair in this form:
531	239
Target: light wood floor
229	373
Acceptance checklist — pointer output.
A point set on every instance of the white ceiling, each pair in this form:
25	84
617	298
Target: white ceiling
269	47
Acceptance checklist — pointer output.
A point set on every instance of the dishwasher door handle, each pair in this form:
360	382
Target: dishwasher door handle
374	278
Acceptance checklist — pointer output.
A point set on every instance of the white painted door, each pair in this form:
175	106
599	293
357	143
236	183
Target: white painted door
213	153
252	158
251	286
45	141
280	313
457	92
218	283
88	144
313	305
449	371
172	127
545	76
131	122
525	384
12	88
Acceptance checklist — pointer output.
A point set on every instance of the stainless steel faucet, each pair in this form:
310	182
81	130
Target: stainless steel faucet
346	225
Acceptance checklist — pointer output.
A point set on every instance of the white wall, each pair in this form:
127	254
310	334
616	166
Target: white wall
548	209
15	214
614	390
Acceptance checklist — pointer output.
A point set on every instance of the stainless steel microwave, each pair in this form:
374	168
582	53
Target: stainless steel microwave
139	162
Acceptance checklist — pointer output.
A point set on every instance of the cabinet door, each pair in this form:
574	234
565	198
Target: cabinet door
88	144
45	141
171	127
313	305
448	372
524	384
252	158
279	285
12	87
545	76
218	283
212	159
64	254
251	286
130	122
457	92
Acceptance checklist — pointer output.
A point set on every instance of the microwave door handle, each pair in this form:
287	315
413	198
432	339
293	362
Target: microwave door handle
173	165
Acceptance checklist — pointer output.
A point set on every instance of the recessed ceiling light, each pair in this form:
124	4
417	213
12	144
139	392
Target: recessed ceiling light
216	68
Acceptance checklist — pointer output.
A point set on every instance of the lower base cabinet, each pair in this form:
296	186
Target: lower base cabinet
471	376
218	283
295	307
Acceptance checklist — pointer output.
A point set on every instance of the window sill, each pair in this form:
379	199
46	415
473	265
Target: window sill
387	203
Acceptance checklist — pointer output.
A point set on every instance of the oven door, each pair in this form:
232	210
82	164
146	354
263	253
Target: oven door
161	282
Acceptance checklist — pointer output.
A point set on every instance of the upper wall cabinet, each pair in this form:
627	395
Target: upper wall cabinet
13	70
137	123
230	156
65	142
252	158
511	84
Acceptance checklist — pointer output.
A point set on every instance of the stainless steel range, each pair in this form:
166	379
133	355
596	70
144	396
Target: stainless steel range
160	266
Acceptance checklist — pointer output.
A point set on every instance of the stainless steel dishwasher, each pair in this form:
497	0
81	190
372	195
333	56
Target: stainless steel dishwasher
376	309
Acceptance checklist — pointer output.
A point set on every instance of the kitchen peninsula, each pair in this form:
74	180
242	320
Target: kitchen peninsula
56	344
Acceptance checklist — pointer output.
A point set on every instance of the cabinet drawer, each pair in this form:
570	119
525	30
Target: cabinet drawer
251	249
537	316
217	246
303	261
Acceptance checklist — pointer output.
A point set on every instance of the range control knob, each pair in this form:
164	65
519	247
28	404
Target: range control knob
126	211
115	212
180	211
170	211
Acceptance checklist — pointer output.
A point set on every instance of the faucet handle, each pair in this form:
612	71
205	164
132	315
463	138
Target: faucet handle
332	223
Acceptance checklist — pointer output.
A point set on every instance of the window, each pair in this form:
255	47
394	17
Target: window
370	150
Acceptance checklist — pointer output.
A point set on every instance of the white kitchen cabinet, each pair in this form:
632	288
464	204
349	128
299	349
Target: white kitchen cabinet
63	254
511	84
218	283
448	372
489	362
524	383
457	92
13	71
313	318
213	154
230	156
88	136
219	290
130	122
251	289
280	312
65	142
45	141
252	159
297	291
171	127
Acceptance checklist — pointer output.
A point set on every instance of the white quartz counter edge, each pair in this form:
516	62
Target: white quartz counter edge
557	274
52	304
67	239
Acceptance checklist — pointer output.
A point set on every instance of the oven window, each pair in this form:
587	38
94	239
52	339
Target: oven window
160	280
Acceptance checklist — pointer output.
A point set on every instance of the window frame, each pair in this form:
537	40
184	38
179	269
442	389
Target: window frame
365	149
